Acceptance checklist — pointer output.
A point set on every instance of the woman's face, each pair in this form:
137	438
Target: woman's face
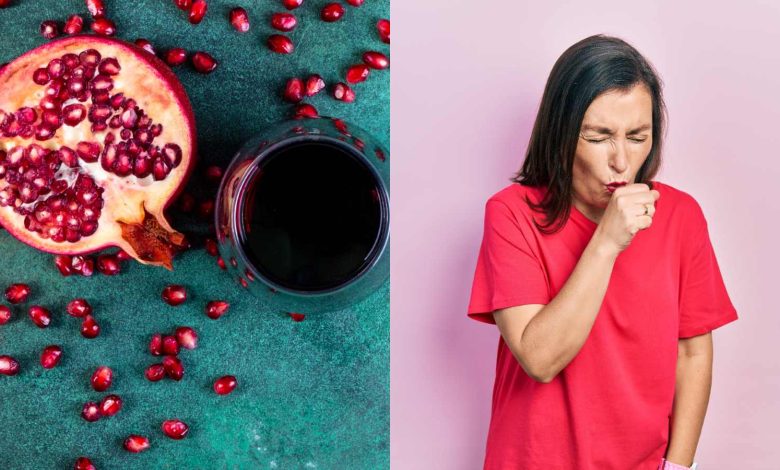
615	138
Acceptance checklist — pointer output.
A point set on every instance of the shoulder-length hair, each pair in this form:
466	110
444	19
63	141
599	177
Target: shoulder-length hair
587	69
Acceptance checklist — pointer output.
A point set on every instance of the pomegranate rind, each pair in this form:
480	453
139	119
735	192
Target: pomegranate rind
158	92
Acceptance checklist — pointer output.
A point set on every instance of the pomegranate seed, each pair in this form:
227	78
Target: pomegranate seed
332	12
155	372
108	265
83	463
214	173
283	21
73	25
203	62
104	27
50	29
5	314
17	293
297	316
186	203
102	378
183	5
8	365
216	308
174	428
155	345
64	263
135	443
280	44
170	347
225	384
239	19
292	4
376	60
84	265
145	45
355	3
51	356
198	11
175	56
96	8
78	308
211	247
90	411
173	367
221	263
110	405
383	28
174	294
293	90
314	85
357	73
343	92
122	255
187	337
305	110
40	316
89	328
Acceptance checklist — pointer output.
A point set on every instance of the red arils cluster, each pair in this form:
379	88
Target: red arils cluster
169	345
283	21
108	264
135	443
174	294
332	12
239	19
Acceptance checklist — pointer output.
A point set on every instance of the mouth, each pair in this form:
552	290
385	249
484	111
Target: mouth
611	187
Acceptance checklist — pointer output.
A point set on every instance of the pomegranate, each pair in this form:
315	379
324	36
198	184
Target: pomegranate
102	378
239	19
174	294
110	405
51	356
216	308
332	12
96	138
155	372
225	384
8	365
187	337
40	316
282	21
83	463
90	411
135	443
5	314
17	293
78	308
314	85
175	429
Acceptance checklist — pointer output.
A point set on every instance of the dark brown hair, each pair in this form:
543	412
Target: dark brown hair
594	65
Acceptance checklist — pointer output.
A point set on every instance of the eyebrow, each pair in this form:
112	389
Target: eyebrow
608	131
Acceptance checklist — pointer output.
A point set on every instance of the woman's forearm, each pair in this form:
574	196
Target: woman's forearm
691	396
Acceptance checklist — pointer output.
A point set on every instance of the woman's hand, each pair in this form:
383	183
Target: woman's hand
625	215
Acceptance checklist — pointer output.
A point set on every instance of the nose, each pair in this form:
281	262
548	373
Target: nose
618	159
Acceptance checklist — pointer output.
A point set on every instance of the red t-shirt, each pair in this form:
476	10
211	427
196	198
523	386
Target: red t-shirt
609	408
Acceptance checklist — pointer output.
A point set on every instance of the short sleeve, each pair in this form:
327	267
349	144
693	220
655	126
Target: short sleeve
508	273
704	302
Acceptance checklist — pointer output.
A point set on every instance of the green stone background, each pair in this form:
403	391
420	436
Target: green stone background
313	394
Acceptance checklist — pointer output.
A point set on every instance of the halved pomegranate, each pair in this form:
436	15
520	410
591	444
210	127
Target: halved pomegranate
96	138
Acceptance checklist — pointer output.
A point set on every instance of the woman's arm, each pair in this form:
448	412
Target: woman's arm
691	396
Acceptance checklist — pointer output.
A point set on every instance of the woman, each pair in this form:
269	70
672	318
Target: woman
605	355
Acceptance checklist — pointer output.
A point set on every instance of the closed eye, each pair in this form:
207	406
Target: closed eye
595	141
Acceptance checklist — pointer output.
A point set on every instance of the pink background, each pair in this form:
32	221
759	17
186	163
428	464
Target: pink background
467	80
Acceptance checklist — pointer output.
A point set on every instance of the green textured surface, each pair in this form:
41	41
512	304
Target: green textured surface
313	394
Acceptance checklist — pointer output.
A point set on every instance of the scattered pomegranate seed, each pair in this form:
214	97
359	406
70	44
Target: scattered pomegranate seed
40	316
332	12
292	4
170	347
51	356
89	327
305	110
376	60
355	3
293	90
110	405
90	411
214	174
314	85
155	372
341	126
175	56
102	378
108	265
239	19
104	27
173	367
216	308
174	428
135	443
83	265
280	44
17	293
225	384
155	345
186	202
297	316
187	337
8	365
174	294
283	21
145	45
342	92
211	247
64	263
96	8
221	263
357	73
183	5
83	463
5	314
78	308
198	11
203	62
383	28
73	25
50	29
